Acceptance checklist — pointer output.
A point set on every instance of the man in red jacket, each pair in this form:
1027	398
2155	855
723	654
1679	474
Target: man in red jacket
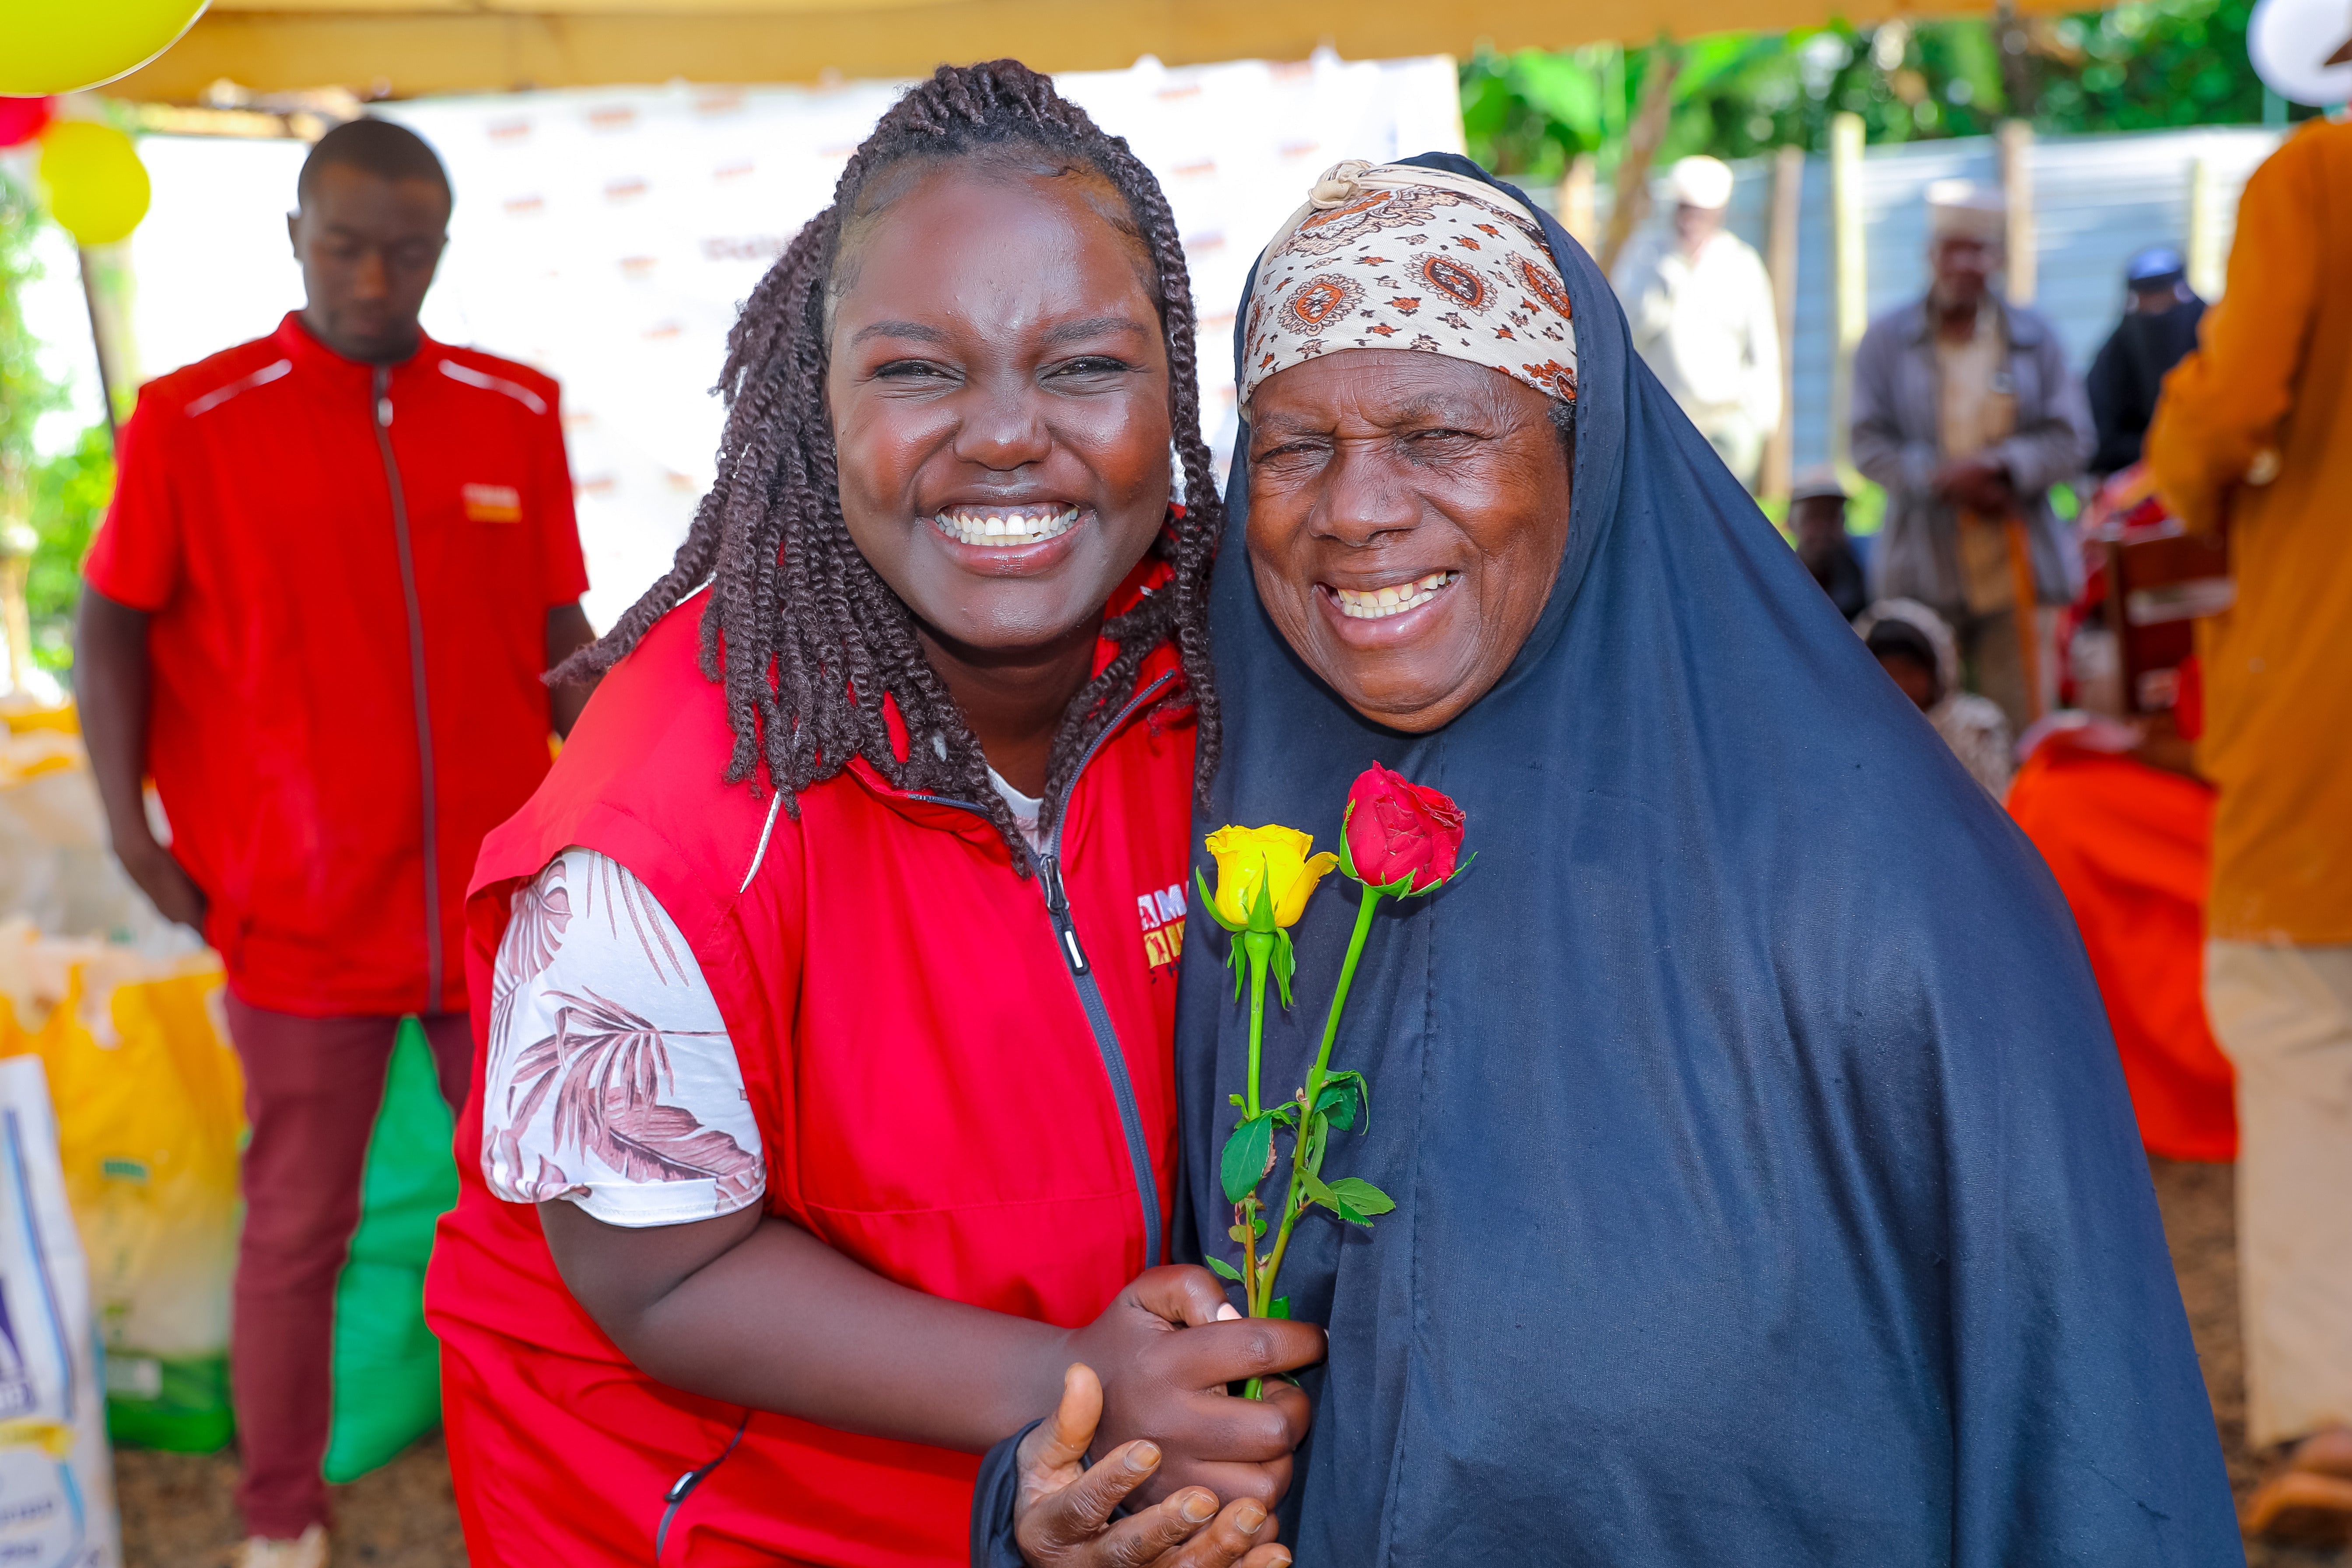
338	561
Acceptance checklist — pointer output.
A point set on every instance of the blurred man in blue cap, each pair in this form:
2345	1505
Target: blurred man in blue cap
2159	326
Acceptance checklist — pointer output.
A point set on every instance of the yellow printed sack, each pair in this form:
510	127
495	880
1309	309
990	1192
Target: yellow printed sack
150	1116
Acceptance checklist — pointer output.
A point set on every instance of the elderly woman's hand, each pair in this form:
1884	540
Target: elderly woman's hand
1062	1515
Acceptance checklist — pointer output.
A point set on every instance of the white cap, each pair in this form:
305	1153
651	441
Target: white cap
1700	182
1959	208
1816	483
2300	50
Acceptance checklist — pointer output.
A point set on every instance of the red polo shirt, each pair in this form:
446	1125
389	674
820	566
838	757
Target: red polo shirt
349	569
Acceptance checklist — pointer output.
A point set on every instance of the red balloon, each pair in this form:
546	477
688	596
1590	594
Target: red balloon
22	118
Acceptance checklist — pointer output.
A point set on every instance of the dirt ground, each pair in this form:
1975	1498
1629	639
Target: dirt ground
177	1511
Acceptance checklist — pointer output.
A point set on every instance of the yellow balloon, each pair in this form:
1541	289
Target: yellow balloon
96	186
64	46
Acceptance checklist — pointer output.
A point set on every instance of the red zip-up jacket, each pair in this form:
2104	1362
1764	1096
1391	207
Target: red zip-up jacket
962	1078
348	569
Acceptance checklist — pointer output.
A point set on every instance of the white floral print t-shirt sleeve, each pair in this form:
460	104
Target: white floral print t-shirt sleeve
612	1081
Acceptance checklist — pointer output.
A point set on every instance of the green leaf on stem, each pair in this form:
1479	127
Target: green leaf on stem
1342	1093
1332	1198
1278	1308
1362	1195
1237	1101
1225	1269
1257	1226
1318	1191
1244	1164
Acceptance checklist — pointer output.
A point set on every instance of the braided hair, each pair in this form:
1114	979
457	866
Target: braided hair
802	632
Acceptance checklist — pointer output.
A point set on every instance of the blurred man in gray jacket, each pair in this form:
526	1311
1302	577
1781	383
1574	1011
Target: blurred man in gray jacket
1965	410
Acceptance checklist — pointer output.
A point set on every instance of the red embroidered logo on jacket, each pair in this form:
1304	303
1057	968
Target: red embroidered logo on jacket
1163	925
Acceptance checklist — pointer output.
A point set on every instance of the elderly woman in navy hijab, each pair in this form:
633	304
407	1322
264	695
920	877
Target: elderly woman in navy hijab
1767	1190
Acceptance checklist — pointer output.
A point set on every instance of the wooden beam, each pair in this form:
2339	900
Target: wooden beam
410	47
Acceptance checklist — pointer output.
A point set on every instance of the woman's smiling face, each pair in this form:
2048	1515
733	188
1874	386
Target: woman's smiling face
999	390
1407	516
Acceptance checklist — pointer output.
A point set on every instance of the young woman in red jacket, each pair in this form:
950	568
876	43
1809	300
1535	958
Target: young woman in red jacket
824	1115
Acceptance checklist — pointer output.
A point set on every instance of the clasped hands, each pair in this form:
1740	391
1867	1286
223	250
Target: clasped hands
1202	1468
1980	483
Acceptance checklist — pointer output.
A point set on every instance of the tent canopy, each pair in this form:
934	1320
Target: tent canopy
410	47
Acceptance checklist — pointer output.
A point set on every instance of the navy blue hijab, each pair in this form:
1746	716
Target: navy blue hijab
1767	1190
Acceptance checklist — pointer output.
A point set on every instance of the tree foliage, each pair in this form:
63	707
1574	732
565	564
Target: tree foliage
68	491
2139	66
69	495
26	393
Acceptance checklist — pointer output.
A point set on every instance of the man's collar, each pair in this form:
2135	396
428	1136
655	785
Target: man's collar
304	348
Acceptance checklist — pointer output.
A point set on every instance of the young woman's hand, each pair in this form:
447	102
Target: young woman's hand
693	1305
1063	1514
1164	1350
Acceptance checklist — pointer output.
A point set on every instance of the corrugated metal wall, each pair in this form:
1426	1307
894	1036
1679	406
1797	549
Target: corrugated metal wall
2097	199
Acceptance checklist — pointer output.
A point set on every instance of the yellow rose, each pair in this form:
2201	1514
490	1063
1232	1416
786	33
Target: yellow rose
1271	858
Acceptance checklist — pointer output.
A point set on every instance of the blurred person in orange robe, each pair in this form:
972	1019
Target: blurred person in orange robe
2253	433
2127	832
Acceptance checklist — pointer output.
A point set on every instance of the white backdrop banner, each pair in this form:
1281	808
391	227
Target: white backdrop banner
607	237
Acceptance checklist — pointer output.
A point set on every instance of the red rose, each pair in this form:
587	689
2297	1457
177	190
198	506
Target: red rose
1399	831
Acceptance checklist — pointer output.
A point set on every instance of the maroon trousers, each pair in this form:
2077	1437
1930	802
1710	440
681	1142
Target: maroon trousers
312	1089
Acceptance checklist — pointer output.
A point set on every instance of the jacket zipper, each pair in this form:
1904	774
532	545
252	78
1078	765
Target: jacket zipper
1081	974
382	388
683	1487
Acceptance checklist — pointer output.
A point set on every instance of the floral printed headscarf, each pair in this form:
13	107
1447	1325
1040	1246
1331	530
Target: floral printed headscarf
1392	255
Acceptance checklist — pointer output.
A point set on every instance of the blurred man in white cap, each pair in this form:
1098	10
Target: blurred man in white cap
1703	319
1817	522
1965	410
2253	435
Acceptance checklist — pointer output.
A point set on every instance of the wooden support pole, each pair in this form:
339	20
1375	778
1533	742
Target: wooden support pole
1576	204
1780	261
1852	292
17	543
1641	139
2209	257
99	340
2017	191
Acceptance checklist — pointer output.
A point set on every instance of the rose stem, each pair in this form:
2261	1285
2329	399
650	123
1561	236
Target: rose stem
1259	945
1372	896
1262	1292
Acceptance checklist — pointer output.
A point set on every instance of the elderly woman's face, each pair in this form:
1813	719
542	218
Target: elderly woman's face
1407	516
